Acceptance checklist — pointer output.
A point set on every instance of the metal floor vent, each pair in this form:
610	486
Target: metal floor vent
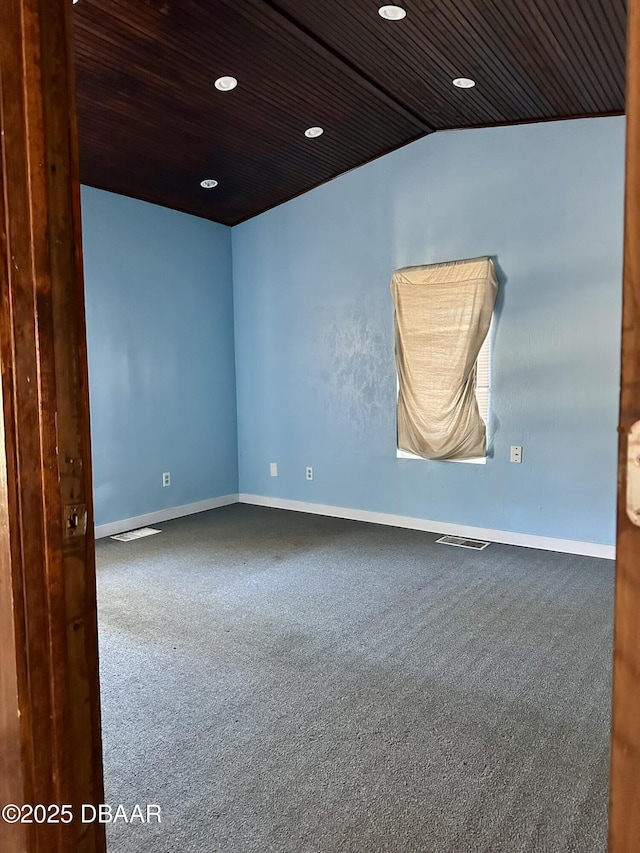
135	534
463	542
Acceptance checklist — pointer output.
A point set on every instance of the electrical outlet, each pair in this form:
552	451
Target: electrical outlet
166	479
516	453
274	469
309	473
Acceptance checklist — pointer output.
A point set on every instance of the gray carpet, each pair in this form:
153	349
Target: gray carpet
286	682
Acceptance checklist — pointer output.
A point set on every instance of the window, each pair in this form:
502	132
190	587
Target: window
443	358
483	378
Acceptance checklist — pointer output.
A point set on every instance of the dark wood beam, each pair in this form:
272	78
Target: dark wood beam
50	750
624	815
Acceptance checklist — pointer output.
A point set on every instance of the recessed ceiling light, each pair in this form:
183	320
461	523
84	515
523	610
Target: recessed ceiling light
392	13
312	132
226	84
464	83
208	183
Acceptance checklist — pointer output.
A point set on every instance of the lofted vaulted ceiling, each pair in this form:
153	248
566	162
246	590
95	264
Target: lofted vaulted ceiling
152	124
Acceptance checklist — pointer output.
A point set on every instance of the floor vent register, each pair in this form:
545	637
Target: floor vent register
463	542
135	534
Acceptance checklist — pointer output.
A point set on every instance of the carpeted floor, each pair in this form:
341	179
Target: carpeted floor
287	683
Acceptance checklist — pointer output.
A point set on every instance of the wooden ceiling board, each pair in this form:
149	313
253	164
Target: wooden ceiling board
531	58
152	125
412	66
147	105
388	52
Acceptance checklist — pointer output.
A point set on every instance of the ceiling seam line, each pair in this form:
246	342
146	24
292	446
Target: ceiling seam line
323	47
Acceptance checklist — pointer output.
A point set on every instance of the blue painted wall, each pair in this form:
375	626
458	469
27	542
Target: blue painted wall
161	356
314	328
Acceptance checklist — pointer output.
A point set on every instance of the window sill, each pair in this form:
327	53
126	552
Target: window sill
404	454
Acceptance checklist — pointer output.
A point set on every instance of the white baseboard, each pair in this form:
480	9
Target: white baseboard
525	540
505	537
125	524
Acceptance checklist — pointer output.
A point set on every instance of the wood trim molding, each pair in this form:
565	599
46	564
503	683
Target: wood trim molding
624	814
50	750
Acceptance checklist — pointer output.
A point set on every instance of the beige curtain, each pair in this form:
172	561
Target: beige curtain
442	316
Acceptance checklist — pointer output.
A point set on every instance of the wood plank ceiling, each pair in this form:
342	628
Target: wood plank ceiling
153	125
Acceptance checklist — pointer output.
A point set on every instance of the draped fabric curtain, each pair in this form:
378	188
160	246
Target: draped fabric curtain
442	316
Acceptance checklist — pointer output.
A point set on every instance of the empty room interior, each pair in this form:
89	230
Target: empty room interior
353	283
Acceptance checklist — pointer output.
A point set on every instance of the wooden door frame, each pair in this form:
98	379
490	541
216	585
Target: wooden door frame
624	806
50	749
